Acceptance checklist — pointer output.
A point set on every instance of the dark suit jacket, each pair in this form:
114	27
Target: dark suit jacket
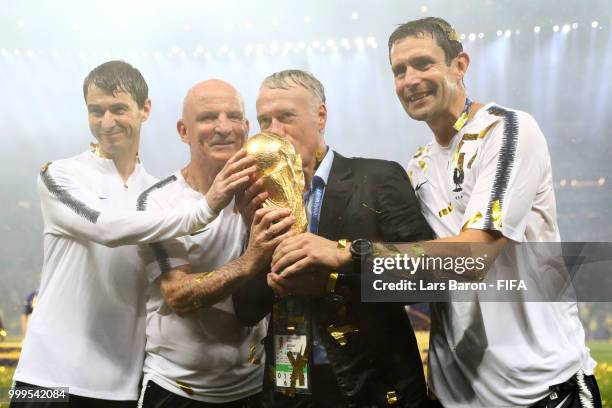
364	198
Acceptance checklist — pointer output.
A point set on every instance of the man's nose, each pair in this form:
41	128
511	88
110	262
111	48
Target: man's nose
223	126
276	127
108	120
411	79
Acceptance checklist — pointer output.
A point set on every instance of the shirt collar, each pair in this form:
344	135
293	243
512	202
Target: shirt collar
108	165
481	120
324	167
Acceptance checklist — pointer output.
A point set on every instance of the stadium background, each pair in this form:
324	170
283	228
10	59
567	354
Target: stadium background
552	58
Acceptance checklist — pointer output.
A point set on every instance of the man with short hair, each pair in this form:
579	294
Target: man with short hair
202	355
87	331
486	178
363	355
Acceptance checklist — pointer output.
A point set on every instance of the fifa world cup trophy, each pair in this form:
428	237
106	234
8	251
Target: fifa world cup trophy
281	169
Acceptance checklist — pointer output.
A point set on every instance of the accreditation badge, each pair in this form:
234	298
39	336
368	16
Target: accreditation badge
292	346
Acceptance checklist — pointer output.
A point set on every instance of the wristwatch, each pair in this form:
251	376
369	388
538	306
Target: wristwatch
360	248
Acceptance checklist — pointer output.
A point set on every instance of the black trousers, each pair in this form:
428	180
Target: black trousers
325	394
158	397
580	391
74	401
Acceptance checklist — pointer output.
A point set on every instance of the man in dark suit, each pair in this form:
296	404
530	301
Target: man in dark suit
363	354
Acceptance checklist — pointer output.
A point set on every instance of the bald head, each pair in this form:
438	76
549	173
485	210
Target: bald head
213	122
210	89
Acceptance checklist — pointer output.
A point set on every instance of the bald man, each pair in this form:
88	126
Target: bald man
198	354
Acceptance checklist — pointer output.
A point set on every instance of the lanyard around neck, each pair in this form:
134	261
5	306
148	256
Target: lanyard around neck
463	118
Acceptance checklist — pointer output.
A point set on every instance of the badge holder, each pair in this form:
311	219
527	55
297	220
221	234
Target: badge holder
292	346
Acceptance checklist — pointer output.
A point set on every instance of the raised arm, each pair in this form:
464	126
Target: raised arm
72	209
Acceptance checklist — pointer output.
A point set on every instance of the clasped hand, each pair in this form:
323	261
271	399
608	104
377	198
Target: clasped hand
301	265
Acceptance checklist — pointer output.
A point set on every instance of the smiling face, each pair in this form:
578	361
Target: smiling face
213	122
115	120
428	88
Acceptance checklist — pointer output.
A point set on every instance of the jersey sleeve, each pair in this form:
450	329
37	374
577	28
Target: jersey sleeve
71	209
514	157
160	257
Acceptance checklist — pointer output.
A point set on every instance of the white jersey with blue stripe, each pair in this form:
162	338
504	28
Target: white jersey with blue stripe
496	175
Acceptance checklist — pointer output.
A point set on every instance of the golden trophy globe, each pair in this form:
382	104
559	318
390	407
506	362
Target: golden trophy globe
280	167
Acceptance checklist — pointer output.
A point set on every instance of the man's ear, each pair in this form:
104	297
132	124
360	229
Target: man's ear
182	130
461	62
322	117
146	109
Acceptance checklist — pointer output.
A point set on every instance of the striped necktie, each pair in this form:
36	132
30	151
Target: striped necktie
318	185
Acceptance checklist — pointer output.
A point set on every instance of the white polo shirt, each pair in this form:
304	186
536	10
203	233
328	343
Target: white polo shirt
87	331
496	175
208	355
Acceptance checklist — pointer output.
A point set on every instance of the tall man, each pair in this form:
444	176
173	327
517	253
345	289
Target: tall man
489	167
363	354
87	331
202	353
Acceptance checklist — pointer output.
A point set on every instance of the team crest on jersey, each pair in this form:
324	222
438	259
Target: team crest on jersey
458	177
458	174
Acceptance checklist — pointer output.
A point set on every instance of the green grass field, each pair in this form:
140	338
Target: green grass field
6	379
6	373
600	350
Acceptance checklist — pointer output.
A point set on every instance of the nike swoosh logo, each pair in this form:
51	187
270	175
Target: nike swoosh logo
420	185
102	198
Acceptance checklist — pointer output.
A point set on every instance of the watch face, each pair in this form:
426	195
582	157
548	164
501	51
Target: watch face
361	247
